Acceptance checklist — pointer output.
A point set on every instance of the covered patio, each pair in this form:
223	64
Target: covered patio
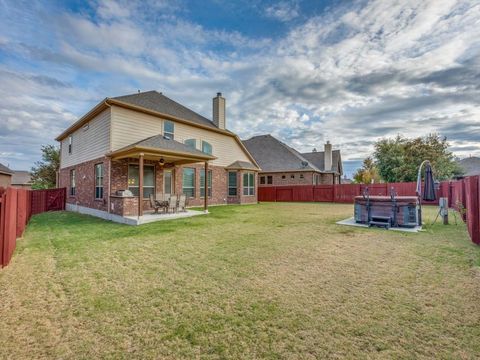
148	168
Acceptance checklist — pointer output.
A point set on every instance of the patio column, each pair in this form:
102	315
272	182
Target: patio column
205	198
140	185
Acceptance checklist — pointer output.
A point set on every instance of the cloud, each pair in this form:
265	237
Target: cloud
359	71
283	11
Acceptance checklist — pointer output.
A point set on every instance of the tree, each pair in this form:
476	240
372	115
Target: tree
398	159
368	174
44	173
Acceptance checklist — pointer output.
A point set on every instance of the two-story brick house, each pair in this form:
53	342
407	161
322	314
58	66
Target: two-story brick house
104	152
282	165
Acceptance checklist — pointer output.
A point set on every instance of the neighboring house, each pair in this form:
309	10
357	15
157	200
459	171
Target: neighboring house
102	152
5	176
470	166
22	179
282	165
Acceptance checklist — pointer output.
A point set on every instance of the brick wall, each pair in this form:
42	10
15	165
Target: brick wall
5	180
85	184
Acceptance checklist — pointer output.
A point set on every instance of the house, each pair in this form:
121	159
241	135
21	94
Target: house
470	166
282	165
103	153
5	176
22	179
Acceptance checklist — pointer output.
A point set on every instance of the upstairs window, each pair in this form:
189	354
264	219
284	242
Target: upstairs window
270	179
262	180
249	184
148	180
202	183
168	129
70	142
73	188
191	143
232	183
206	148
188	186
99	181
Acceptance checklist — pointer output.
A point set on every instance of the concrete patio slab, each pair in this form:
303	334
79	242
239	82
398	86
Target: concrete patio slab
351	222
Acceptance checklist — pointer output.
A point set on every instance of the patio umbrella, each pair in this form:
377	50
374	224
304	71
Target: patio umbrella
429	186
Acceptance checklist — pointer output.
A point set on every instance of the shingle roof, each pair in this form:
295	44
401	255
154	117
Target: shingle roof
21	177
156	101
5	170
273	155
318	159
162	143
242	165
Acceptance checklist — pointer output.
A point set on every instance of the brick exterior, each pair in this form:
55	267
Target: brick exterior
277	178
85	184
125	206
5	180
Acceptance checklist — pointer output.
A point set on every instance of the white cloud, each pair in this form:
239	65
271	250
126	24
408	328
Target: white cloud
283	11
350	75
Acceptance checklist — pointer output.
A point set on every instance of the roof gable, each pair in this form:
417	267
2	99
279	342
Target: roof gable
318	159
5	170
273	155
153	100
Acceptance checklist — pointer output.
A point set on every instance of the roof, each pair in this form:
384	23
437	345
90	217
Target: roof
242	165
470	166
159	142
153	100
21	177
5	170
318	159
273	155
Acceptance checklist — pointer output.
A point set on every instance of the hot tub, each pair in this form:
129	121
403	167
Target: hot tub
387	211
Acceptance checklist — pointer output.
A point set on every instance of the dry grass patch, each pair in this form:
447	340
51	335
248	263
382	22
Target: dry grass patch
263	281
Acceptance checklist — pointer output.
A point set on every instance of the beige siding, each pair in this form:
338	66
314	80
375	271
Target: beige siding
129	126
88	144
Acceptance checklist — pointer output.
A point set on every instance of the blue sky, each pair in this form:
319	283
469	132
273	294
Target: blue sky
306	71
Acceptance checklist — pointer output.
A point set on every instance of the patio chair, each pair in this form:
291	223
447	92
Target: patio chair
154	204
172	204
182	203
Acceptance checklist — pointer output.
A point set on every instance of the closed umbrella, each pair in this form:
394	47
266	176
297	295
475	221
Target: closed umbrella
429	186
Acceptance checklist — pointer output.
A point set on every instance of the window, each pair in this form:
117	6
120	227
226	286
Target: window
316	179
202	183
99	181
73	188
270	179
301	176
292	176
206	148
191	143
232	183
249	184
262	180
283	177
189	182
168	129
70	143
148	180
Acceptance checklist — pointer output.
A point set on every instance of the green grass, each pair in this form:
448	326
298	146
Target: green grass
262	281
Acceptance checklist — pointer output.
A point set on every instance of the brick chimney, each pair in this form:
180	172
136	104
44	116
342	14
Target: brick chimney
219	111
328	156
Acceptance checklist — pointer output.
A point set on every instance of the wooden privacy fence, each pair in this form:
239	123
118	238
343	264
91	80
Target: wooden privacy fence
16	208
463	195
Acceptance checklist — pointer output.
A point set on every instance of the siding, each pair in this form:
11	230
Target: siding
129	126
89	144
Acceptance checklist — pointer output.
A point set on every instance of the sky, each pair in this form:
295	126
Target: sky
350	72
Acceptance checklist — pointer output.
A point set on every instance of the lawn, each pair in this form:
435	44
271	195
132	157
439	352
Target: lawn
262	281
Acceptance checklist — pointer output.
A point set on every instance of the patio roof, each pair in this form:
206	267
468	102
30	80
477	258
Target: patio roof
158	146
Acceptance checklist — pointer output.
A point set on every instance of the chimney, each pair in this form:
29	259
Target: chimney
328	156
219	111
